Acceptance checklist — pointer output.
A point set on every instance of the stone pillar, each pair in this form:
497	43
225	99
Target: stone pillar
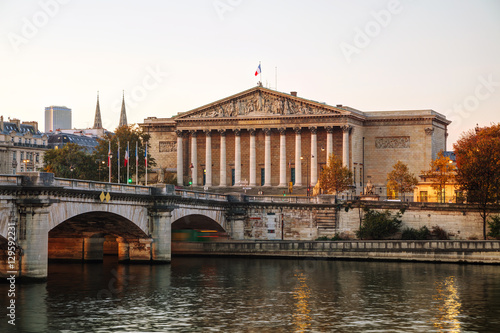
93	248
253	159
123	249
33	239
180	165
161	234
237	157
65	248
298	154
282	131
267	158
345	145
140	249
329	142
314	156
194	159
208	158
222	181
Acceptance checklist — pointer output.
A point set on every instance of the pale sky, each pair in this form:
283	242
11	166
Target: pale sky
173	56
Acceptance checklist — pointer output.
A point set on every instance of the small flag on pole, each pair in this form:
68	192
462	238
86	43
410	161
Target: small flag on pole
126	157
109	154
146	156
257	72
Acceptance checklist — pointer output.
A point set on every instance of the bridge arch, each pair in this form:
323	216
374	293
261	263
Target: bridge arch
190	213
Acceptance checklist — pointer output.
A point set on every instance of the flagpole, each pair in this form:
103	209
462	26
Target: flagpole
260	72
136	165
109	160
118	161
146	162
128	160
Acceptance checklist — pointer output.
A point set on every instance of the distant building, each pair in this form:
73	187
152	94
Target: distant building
22	146
57	117
123	114
427	189
97	116
58	139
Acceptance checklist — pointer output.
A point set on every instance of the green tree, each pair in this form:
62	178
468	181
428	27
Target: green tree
124	134
400	179
442	171
478	168
335	177
71	161
379	225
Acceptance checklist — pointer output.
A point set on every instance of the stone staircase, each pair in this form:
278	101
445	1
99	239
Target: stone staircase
326	222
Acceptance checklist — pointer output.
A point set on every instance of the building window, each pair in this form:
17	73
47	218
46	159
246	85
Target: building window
37	158
423	196
360	176
354	175
14	155
22	156
20	140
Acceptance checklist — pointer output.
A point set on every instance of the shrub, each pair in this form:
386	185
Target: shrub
379	225
414	234
323	238
439	233
494	227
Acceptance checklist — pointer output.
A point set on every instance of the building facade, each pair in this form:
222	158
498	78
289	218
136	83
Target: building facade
261	138
22	146
57	117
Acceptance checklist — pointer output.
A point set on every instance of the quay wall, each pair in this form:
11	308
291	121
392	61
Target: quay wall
450	251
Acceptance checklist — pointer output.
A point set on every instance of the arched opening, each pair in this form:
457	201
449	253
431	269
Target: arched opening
197	228
9	257
90	236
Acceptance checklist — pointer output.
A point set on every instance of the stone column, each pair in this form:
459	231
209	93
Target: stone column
314	156
194	159
282	131
253	159
123	249
208	158
180	164
222	181
345	145
267	158
93	248
33	238
298	154
237	157
329	142
161	234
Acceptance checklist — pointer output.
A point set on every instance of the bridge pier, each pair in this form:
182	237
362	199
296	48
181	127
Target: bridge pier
93	248
161	233
33	239
138	250
65	248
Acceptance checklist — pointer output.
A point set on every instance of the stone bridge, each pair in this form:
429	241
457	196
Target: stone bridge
42	218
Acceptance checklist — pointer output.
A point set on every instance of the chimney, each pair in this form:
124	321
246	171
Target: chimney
293	93
339	105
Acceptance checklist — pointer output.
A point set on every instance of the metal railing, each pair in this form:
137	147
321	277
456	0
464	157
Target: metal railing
106	187
201	195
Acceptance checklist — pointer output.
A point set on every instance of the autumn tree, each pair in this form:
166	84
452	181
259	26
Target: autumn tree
478	168
70	161
442	171
125	134
400	179
335	177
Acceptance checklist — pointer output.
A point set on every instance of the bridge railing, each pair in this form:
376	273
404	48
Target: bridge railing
106	187
201	195
11	180
292	199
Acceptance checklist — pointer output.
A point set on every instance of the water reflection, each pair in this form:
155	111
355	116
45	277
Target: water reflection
301	317
448	306
261	295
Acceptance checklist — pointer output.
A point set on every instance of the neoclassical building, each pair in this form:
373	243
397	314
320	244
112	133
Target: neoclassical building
262	138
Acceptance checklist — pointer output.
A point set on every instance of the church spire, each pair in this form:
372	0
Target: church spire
97	119
123	114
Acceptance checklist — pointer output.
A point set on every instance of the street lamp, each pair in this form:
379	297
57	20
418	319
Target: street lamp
26	161
307	172
100	164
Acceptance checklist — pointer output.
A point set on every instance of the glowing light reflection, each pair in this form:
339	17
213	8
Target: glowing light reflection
448	306
301	317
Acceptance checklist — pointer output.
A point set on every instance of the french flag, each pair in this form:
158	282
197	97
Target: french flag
109	154
257	72
126	157
146	156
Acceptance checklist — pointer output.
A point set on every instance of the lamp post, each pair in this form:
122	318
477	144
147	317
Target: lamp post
26	161
307	173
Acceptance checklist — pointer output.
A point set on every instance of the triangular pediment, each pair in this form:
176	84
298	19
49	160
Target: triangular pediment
261	102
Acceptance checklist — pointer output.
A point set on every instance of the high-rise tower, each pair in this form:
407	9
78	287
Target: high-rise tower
123	114
57	117
97	119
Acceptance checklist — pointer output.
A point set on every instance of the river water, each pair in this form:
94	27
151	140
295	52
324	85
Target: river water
259	295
